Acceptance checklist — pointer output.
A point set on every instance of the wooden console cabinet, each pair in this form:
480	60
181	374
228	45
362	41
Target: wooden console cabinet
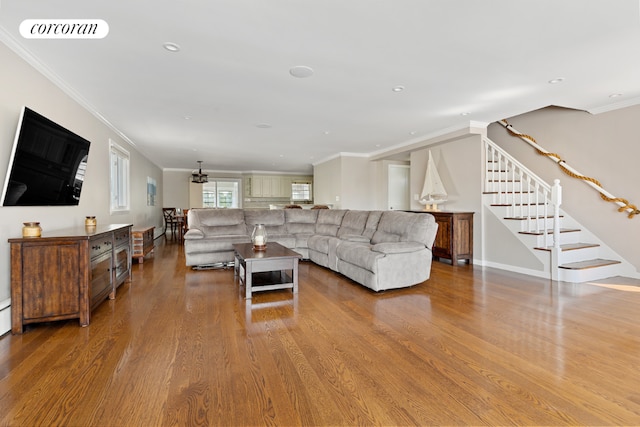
65	274
454	240
142	242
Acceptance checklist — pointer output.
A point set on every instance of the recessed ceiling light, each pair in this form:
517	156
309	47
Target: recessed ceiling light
398	88
413	132
556	80
263	125
301	71
327	132
171	47
466	113
187	117
615	95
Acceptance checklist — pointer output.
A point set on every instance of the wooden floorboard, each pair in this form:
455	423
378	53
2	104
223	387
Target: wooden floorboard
470	346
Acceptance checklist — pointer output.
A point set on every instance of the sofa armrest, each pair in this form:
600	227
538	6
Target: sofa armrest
397	247
355	238
194	234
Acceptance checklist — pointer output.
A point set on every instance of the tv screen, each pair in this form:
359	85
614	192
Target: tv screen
47	165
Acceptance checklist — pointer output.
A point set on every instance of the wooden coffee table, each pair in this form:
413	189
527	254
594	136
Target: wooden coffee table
280	262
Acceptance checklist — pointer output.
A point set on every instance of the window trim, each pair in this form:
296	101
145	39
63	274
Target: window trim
120	179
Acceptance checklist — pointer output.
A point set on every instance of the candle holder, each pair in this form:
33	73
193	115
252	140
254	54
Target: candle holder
259	237
31	229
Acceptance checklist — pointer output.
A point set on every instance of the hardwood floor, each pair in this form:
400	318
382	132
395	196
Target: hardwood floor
468	347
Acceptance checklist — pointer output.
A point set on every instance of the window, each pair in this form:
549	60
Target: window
119	158
225	199
301	191
221	194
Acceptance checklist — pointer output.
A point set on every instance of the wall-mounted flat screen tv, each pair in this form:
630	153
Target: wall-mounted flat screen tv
47	164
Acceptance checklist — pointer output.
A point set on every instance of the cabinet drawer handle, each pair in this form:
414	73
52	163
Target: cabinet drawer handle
96	247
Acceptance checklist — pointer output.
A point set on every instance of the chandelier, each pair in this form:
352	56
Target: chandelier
199	177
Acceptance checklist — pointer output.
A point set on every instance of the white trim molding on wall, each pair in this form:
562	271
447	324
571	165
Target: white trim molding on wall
5	316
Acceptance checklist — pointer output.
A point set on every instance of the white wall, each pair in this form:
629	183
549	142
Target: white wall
351	182
176	190
603	146
327	183
358	191
21	84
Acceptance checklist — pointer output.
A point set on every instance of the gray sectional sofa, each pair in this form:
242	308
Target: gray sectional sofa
378	249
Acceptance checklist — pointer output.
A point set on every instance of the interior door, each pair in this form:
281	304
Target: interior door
398	187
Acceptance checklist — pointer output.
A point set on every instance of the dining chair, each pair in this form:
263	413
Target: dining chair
170	221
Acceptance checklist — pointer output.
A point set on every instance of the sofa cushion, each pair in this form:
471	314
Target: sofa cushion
215	244
353	223
318	243
301	221
359	254
396	226
193	233
305	216
329	221
217	222
397	248
355	238
302	240
272	219
372	223
223	230
217	217
286	240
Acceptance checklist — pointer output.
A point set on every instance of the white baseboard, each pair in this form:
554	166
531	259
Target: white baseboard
514	269
5	316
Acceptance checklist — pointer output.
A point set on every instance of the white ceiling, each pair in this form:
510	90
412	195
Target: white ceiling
492	59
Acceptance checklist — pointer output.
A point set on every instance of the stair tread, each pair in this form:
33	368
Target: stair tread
570	246
592	263
524	218
542	233
508	192
517	204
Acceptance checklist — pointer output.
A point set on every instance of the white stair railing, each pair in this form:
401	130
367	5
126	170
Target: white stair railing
527	195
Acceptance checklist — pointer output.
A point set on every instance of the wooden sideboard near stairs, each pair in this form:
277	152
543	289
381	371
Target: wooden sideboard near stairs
454	240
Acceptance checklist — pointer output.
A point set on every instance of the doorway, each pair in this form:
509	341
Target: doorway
398	187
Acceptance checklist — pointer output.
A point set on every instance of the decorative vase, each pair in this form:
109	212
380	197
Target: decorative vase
90	221
259	237
31	229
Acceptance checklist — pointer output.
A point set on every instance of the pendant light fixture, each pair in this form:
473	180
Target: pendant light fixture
199	177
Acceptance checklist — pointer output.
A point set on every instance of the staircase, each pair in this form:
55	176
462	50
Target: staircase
530	208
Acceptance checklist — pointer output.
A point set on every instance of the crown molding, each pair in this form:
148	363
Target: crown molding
12	43
615	106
